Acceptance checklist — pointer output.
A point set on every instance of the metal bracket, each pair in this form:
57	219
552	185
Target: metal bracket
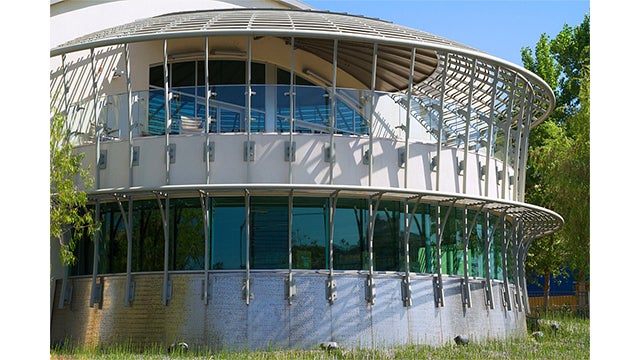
249	150
102	161
290	289
290	151
247	288
132	291
370	290
329	153
488	294
96	297
434	163
204	285
402	157
366	157
135	156
465	293
330	290
172	153
209	152
406	291
438	297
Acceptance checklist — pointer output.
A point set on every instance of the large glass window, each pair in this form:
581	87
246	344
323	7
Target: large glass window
309	233
422	239
113	240
186	235
350	235
228	238
388	240
269	223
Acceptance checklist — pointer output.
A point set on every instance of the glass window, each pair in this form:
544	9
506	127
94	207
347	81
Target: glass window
422	240
309	233
388	241
113	240
186	235
269	233
350	235
228	238
452	242
147	236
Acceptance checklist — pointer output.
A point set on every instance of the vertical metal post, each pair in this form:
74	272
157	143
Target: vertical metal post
507	139
487	158
524	146
408	221
126	218
204	203
96	296
370	294
248	95
207	115
95	117
517	148
330	283
466	298
332	120
408	118
441	120
467	127
164	214
439	291
292	75
505	273
247	231
167	110
487	261
65	92
374	65
127	69
290	282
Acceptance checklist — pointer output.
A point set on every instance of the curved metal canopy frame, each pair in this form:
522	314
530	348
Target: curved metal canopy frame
314	32
536	221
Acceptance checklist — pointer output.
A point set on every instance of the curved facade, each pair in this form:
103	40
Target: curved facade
278	176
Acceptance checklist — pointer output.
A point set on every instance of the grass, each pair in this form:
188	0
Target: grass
571	342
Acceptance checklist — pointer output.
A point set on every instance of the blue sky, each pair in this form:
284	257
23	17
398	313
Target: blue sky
500	28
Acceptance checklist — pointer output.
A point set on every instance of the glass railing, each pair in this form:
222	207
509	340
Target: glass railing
271	112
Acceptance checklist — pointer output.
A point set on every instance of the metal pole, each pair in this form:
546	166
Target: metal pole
490	133
332	120
167	111
466	130
291	108
207	115
374	66
408	119
95	117
96	259
126	218
127	69
247	232
507	139
441	122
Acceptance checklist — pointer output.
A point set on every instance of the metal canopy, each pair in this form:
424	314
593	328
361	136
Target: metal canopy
537	221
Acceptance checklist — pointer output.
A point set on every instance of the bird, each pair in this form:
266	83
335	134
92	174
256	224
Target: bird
554	327
537	335
461	340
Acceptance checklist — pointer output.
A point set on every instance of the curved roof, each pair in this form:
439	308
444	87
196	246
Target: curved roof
314	31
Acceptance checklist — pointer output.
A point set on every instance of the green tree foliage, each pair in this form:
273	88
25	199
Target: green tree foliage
69	217
558	164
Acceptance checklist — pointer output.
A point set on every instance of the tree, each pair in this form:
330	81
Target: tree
558	164
69	217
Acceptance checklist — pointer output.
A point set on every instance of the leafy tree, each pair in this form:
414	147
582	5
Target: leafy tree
69	217
558	165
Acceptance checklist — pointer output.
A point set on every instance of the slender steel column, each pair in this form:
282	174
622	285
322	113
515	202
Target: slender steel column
207	115
507	139
332	119
204	204
290	283
292	95
517	148
65	274
408	221
247	231
525	144
330	283
96	294
374	66
487	261
439	291
95	117
441	120
467	127
370	294
164	213
466	293
167	111
505	272
490	140
127	70
408	118
127	219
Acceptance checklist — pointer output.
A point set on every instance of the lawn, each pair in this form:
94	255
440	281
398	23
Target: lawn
570	342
